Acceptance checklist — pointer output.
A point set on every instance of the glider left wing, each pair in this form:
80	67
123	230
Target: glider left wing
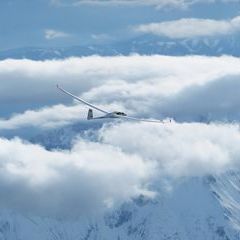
81	100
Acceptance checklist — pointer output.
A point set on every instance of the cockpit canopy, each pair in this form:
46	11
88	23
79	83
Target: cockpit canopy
120	113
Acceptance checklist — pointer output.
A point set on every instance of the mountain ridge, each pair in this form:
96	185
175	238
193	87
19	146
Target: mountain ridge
144	45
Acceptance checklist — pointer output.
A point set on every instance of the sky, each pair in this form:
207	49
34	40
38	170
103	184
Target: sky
51	23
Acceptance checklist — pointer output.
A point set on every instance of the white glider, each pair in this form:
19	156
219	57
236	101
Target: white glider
120	115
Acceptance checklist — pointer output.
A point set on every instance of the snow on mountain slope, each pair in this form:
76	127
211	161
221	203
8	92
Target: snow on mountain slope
188	211
226	188
144	44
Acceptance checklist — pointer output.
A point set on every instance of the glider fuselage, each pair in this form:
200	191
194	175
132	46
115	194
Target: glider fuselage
113	115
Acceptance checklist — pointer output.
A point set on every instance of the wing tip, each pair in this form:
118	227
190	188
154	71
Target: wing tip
58	87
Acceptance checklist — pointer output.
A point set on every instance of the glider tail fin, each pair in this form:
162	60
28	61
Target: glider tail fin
90	114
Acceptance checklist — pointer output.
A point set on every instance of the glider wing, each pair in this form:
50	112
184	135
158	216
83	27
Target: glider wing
81	100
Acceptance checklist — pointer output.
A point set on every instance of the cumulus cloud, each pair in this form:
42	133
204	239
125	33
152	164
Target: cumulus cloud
214	101
89	178
191	27
93	176
186	88
50	117
52	34
180	150
128	158
47	117
35	81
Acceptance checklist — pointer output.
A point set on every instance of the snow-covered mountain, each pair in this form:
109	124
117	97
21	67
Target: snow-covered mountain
146	44
195	209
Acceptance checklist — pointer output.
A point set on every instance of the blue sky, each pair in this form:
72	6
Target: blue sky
48	23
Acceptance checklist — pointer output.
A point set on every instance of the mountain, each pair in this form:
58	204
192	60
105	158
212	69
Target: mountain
146	44
196	208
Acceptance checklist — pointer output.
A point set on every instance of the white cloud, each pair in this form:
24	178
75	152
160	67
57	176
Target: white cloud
179	150
214	101
191	27
158	3
186	88
45	118
49	117
68	183
52	34
101	37
85	179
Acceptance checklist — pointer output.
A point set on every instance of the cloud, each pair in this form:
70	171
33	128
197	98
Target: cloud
72	183
191	27
47	117
214	101
101	37
128	158
186	88
94	176
51	34
159	4
179	150
35	81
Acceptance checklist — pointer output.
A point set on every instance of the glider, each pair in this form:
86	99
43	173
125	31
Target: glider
107	114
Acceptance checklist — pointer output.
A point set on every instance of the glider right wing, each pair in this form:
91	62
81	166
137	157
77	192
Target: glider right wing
141	119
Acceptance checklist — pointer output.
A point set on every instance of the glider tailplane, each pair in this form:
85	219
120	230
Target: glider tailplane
90	114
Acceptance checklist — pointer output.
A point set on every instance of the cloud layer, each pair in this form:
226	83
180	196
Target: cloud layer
186	88
191	27
132	156
179	150
129	159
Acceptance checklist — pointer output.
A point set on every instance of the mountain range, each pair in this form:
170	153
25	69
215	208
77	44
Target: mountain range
145	45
